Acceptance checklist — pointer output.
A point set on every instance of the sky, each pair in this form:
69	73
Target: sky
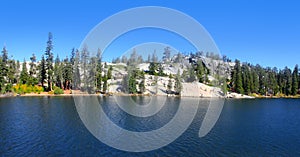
259	32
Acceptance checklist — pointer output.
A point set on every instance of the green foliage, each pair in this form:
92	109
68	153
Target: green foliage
142	87
156	69
105	85
224	87
200	71
24	74
49	61
170	85
42	71
132	85
109	72
58	90
295	80
237	78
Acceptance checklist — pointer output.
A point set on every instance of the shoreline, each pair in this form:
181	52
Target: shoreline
146	95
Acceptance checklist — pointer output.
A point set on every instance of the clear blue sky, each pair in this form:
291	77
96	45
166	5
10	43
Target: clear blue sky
264	32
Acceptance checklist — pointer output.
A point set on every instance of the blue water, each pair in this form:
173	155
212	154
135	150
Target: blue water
50	126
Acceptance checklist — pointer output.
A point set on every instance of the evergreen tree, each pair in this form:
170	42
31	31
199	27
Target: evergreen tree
288	81
24	74
191	75
170	85
67	73
49	61
272	82
99	70
32	80
84	68
12	72
200	71
166	54
178	85
133	58
105	86
262	81
294	89
2	81
124	59
153	67
3	66
142	83
237	78
132	84
42	71
76	72
18	71
160	70
154	57
58	76
92	70
109	72
246	79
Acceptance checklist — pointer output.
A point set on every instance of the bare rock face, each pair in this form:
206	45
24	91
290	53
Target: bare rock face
218	66
196	89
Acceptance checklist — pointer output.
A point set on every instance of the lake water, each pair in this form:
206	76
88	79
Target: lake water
51	126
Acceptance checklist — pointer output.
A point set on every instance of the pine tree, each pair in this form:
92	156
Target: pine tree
42	71
153	67
237	78
24	74
84	68
12	72
92	71
255	82
246	79
142	83
154	57
160	70
32	80
49	61
132	84
109	72
105	86
287	81
4	67
178	85
58	76
99	70
67	73
295	74
2	81
133	58
200	71
124	59
166	54
76	72
18	71
170	85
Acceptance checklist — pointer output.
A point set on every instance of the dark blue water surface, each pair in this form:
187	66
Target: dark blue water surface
50	126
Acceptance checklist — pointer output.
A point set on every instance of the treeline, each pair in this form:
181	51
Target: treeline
249	79
80	71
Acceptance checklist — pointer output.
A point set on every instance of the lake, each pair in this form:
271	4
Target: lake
51	126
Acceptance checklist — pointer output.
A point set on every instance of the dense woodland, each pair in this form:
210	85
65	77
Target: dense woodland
250	79
80	71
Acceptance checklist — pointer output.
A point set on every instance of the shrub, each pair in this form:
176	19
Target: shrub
58	90
24	88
